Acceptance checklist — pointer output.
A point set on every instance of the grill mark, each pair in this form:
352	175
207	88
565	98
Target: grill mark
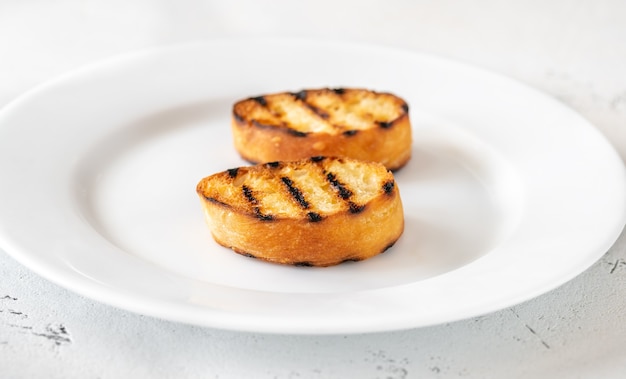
261	100
356	208
247	193
233	172
300	95
385	124
296	133
215	201
303	264
388	247
261	125
261	216
388	187
295	192
314	217
238	118
319	112
342	190
285	128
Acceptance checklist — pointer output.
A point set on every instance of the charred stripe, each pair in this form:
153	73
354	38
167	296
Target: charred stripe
356	208
388	247
260	124
385	124
342	190
388	187
314	217
232	172
296	133
261	216
303	264
261	100
215	201
319	112
300	95
238	118
247	193
295	192
351	260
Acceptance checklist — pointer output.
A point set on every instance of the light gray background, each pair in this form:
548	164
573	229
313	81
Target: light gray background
573	50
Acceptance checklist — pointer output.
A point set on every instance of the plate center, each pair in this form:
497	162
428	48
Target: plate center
460	200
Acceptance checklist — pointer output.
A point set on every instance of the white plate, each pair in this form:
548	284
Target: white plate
508	194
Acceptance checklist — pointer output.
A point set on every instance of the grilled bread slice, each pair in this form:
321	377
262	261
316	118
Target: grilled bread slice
313	212
354	123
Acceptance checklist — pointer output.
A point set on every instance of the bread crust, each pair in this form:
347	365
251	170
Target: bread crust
348	233
268	137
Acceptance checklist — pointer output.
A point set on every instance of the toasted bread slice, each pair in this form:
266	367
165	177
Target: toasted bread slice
354	123
314	212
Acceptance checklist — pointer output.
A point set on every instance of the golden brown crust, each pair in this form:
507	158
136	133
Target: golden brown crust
306	213
353	123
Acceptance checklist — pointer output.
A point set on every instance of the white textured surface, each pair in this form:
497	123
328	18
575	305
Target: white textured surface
573	50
